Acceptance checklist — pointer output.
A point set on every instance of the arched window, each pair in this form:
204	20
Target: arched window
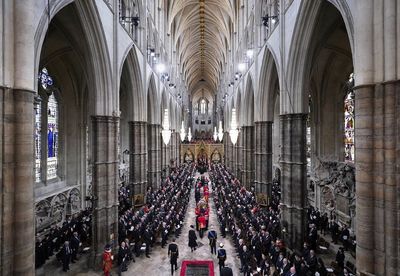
349	118
46	130
52	137
203	106
308	135
38	139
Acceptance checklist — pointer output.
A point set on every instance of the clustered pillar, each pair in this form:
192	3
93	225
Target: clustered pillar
377	140
248	156
154	155
293	165
165	154
263	158
105	186
226	150
239	156
17	214
138	161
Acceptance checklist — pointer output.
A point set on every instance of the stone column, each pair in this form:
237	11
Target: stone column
377	160
17	198
171	146
239	156
248	156
226	150
178	150
138	161
165	154
234	158
294	178
263	157
232	155
105	184
154	155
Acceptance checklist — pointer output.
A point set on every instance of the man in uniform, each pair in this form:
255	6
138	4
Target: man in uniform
221	257
212	236
173	253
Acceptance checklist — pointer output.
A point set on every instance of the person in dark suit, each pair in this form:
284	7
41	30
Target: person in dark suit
212	236
192	238
221	257
66	256
75	243
164	234
311	262
226	271
173	254
345	237
340	258
147	237
122	257
334	228
292	272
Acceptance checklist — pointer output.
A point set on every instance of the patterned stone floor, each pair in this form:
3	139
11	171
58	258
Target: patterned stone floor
158	264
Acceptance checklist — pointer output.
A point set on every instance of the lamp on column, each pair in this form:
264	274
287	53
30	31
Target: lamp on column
234	131
215	136
183	133
166	132
220	131
190	135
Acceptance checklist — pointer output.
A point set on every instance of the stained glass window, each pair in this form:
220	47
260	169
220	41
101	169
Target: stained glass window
46	123
52	137
38	140
349	118
308	135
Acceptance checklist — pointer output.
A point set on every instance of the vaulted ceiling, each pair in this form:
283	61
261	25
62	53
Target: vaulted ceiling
201	32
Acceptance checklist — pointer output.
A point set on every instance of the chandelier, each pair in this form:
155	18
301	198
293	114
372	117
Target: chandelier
190	135
183	133
166	132
215	136
234	131
220	131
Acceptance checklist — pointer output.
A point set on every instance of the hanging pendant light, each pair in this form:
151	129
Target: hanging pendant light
166	132
234	131
190	135
215	136
183	133
220	131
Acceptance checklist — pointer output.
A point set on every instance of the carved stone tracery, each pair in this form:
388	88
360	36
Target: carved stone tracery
333	183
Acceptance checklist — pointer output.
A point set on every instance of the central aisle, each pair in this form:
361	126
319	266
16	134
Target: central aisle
159	264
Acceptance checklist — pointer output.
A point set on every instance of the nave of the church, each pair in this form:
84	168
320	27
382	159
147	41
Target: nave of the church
270	126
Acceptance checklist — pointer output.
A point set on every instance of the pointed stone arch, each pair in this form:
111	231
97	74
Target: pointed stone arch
248	110
153	103
131	82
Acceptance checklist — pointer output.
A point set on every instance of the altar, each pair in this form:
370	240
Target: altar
202	152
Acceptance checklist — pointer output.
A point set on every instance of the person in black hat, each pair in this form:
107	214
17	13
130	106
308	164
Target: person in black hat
173	253
192	238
